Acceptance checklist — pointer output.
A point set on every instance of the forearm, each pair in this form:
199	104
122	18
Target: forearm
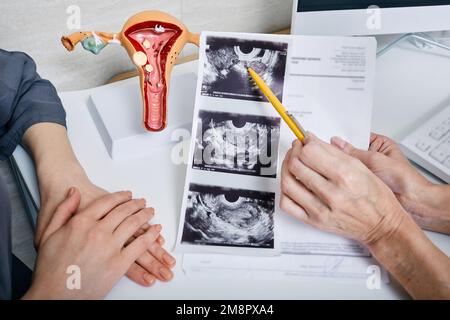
430	207
421	268
52	154
57	168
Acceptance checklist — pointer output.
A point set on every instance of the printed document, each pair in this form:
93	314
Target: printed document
231	195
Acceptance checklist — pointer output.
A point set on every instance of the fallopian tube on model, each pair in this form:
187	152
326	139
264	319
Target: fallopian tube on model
153	41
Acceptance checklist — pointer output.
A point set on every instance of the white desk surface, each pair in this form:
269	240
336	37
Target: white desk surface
410	85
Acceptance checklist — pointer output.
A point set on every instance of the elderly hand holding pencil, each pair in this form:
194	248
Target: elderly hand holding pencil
320	184
330	187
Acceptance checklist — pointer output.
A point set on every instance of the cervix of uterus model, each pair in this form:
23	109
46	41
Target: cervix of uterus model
153	41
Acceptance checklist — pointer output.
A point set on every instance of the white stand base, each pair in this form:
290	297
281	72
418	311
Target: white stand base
117	113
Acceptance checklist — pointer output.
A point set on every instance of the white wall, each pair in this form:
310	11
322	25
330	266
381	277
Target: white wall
36	26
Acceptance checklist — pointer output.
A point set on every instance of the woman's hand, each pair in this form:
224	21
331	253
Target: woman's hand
57	170
155	264
324	187
428	203
95	241
54	192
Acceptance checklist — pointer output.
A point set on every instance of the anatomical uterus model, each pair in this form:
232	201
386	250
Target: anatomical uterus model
153	41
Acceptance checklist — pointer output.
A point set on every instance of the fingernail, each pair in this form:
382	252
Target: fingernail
165	273
158	227
169	259
339	142
148	278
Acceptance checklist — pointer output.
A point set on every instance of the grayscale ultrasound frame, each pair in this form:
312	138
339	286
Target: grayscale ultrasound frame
266	199
272	124
237	85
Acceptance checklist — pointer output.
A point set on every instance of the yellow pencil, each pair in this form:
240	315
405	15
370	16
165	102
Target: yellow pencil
290	120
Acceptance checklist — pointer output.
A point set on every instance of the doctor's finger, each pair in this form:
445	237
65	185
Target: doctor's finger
312	180
315	155
297	192
292	208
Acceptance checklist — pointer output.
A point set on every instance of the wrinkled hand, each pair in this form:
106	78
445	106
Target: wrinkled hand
94	240
156	263
426	202
328	189
385	159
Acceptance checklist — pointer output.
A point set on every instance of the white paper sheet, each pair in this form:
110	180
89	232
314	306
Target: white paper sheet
327	82
285	267
330	85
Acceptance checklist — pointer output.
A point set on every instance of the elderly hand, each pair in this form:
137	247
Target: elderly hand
333	191
427	203
328	189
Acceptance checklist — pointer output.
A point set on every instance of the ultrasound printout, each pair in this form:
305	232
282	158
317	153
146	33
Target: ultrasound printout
236	143
227	60
231	187
229	217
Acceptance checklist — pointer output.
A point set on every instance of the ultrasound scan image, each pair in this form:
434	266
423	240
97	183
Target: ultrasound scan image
227	60
237	143
217	216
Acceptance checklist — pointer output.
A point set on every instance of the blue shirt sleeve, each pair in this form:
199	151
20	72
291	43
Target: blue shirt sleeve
25	99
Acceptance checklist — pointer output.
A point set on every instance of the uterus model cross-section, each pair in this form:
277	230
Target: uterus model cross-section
153	41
